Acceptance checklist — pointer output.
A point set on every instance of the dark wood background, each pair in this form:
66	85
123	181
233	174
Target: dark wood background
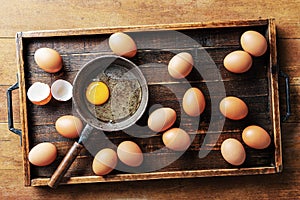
57	15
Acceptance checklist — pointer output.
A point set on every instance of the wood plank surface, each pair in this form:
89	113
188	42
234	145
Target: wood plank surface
213	44
123	12
34	15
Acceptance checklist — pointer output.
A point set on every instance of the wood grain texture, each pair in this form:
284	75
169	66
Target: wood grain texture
74	14
215	41
8	68
35	15
15	104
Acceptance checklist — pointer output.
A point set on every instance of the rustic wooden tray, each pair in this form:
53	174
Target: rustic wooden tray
258	88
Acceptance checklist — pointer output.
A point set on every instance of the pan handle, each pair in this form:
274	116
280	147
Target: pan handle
287	96
68	159
10	110
65	165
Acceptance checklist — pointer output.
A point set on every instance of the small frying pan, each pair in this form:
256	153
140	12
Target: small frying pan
115	68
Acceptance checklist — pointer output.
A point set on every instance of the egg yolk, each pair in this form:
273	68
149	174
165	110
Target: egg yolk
97	93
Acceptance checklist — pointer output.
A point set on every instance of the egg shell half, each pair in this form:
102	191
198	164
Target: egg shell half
176	139
130	153
69	126
254	43
42	154
233	151
181	65
39	93
233	108
193	102
238	61
122	45
256	137
61	90
161	119
104	161
48	59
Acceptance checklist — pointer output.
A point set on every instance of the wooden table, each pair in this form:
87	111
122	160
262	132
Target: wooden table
42	15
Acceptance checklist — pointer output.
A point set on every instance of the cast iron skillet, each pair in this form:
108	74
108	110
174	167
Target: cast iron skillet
81	81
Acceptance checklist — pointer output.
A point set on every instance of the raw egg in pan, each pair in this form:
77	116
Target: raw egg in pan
97	93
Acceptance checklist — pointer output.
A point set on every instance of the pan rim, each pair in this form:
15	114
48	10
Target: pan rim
123	124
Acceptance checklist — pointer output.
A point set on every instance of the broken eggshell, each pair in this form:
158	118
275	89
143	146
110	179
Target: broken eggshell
61	90
39	93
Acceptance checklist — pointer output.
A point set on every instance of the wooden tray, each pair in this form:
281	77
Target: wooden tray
258	88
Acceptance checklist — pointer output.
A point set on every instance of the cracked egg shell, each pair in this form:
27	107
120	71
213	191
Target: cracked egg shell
39	93
61	90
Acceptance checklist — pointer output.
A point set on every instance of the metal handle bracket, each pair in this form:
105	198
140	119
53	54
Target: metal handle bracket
287	96
10	110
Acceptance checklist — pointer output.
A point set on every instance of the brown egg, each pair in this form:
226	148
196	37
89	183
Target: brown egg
193	102
130	153
69	126
42	154
233	108
161	119
233	151
39	93
48	59
181	65
176	139
254	43
256	137
238	61
105	161
122	44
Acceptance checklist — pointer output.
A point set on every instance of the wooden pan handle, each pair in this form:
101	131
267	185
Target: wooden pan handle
65	165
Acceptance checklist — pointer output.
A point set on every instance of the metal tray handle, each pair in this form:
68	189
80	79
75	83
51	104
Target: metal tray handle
10	110
287	96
